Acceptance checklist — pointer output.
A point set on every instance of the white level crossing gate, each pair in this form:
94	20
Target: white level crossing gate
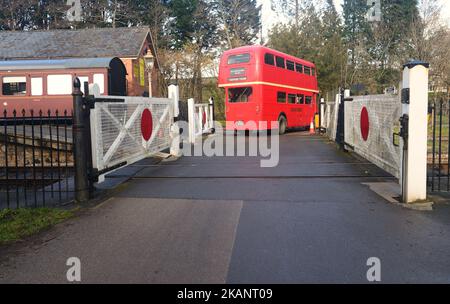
201	119
389	130
370	122
127	129
110	132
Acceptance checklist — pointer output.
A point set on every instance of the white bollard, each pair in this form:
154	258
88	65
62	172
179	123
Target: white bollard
415	106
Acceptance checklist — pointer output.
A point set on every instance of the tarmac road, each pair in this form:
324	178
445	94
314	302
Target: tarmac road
311	219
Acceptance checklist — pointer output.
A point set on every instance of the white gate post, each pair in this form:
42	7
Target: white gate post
191	120
415	106
211	114
174	94
322	114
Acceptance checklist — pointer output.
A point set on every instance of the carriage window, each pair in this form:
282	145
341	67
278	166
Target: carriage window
299	68
99	79
36	86
290	65
59	84
300	98
307	70
281	97
241	58
14	86
308	99
291	98
313	71
269	59
280	62
239	94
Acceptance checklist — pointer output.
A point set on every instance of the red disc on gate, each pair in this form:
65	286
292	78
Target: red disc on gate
146	124
364	123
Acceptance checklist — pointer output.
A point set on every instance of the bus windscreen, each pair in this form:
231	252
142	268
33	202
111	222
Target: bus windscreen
239	94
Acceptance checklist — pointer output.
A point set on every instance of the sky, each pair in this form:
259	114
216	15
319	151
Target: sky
269	18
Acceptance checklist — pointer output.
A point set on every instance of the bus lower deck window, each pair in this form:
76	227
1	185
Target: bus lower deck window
239	94
241	58
291	98
300	98
281	97
269	59
280	62
308	99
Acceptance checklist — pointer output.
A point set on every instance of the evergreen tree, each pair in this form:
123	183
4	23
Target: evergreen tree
182	23
332	53
317	38
356	26
398	17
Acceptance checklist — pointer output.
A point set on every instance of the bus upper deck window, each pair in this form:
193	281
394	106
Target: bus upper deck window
299	67
313	71
240	58
280	62
300	98
239	94
290	65
307	70
308	99
269	59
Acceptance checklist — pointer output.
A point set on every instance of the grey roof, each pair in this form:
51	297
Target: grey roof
51	64
100	42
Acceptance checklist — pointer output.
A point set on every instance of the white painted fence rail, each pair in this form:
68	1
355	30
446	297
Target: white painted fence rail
330	117
201	120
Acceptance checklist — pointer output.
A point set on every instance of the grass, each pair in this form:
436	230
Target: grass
18	223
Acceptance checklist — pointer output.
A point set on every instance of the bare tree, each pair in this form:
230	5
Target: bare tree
430	41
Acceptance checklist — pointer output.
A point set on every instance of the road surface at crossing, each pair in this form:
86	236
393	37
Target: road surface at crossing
311	219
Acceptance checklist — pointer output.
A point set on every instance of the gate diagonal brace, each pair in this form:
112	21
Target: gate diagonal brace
158	126
124	130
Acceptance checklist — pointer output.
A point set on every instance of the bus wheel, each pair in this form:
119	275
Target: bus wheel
282	125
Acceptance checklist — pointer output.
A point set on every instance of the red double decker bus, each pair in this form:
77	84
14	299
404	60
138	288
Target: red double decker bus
263	85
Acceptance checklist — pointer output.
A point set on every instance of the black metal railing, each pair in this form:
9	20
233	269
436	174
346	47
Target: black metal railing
36	158
438	146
